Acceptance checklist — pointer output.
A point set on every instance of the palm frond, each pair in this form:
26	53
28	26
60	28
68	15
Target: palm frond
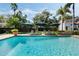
60	11
14	6
68	5
67	10
67	16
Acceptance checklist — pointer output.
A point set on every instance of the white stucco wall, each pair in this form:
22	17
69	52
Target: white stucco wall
67	23
60	26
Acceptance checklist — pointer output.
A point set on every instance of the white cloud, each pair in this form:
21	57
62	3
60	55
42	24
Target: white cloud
6	12
29	12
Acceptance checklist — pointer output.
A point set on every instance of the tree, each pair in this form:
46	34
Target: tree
55	20
2	19
14	7
68	5
53	23
36	19
22	18
17	19
46	15
42	17
63	14
13	22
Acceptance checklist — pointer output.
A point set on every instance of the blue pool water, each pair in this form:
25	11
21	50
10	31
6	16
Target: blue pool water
39	46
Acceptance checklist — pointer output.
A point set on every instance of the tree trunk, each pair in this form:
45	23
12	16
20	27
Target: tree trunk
73	17
36	28
62	25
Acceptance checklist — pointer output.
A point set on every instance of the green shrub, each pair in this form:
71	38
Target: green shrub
76	33
56	33
14	30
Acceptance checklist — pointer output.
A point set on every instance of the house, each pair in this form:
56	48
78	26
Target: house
3	22
44	27
67	24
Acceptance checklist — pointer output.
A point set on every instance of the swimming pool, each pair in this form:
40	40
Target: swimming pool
39	46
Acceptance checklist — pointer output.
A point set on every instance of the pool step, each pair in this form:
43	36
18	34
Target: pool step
22	50
4	49
14	50
29	50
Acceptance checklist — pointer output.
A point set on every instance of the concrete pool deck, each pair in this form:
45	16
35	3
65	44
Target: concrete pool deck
3	36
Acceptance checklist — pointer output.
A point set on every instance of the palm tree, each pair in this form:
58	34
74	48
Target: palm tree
37	19
14	7
63	14
68	5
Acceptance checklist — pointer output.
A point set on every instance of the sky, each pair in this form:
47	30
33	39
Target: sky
31	9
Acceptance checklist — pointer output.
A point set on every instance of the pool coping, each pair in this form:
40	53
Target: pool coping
5	36
76	36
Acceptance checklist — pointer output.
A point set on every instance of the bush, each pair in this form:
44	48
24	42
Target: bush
14	30
76	33
2	31
57	33
52	33
66	33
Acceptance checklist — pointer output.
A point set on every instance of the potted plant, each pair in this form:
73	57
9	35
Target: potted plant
14	31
